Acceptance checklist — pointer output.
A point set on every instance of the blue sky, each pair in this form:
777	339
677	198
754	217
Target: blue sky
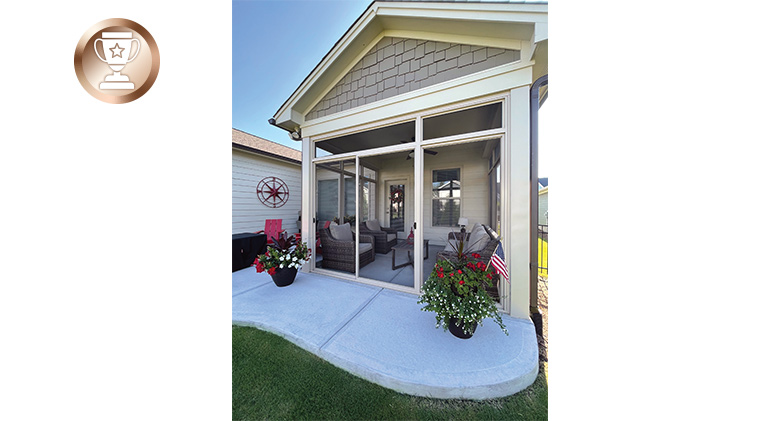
275	46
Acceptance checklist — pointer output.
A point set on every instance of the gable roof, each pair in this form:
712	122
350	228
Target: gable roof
500	24
251	143
543	181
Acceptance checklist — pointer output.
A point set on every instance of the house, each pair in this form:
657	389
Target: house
543	205
258	162
423	113
542	182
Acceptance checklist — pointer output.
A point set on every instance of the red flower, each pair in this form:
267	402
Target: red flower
260	268
271	271
471	266
441	275
460	271
481	265
452	274
490	276
461	282
257	260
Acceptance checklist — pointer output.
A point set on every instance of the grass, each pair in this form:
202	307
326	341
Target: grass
542	250
275	379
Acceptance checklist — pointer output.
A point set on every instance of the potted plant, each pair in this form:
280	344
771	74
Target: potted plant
283	259
456	292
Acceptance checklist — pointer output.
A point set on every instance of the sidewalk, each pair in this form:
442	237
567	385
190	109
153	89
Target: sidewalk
382	336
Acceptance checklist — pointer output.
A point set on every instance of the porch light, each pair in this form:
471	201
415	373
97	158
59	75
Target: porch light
463	222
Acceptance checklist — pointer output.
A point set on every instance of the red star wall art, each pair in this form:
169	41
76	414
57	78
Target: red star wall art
273	192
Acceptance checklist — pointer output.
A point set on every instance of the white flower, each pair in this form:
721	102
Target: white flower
281	266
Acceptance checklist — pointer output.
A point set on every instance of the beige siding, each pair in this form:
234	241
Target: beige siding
474	187
249	214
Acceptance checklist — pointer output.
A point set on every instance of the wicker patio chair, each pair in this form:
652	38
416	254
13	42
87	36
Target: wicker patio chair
385	239
340	255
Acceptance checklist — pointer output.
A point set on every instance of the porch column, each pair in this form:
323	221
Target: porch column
307	190
517	236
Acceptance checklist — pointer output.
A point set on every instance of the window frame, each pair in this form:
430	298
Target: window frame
435	199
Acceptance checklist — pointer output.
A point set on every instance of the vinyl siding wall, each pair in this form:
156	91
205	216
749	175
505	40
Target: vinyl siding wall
474	188
249	214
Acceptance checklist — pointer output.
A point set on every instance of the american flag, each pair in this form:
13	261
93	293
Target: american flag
497	259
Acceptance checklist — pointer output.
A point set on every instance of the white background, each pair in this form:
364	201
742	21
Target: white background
115	296
115	300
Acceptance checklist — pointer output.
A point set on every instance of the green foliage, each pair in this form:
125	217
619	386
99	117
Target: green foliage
456	290
274	379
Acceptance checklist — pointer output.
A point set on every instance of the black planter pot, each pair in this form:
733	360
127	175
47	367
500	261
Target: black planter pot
284	277
458	332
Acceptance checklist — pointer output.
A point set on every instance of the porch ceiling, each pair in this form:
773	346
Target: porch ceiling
500	25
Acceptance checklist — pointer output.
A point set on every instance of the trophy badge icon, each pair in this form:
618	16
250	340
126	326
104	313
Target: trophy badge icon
130	52
117	47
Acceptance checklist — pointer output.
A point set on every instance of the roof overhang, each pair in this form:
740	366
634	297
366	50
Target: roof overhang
521	26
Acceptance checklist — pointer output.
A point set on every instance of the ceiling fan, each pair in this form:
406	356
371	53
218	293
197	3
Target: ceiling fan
411	153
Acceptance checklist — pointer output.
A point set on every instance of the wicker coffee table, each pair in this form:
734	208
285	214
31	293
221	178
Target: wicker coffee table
403	245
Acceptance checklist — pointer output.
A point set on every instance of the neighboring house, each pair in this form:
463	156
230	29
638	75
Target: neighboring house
255	159
543	206
542	183
422	114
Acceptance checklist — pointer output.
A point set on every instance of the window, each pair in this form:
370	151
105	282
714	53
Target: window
446	197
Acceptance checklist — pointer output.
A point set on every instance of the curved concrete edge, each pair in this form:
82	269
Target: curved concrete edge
308	346
526	374
525	369
481	392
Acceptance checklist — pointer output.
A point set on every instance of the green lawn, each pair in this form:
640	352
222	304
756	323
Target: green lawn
274	379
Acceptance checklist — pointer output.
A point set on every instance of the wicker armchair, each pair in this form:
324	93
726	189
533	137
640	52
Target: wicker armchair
485	253
383	245
340	255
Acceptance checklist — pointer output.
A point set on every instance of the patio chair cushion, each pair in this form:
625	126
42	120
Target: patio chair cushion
341	232
364	247
373	225
478	238
390	237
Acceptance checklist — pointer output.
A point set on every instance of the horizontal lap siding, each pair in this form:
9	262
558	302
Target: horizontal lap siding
474	181
249	214
474	188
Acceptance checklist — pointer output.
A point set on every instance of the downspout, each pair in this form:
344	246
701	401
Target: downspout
534	194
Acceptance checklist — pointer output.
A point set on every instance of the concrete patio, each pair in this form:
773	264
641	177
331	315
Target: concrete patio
382	336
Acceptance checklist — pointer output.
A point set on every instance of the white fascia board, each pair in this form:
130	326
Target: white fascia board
360	24
540	32
497	12
486	82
